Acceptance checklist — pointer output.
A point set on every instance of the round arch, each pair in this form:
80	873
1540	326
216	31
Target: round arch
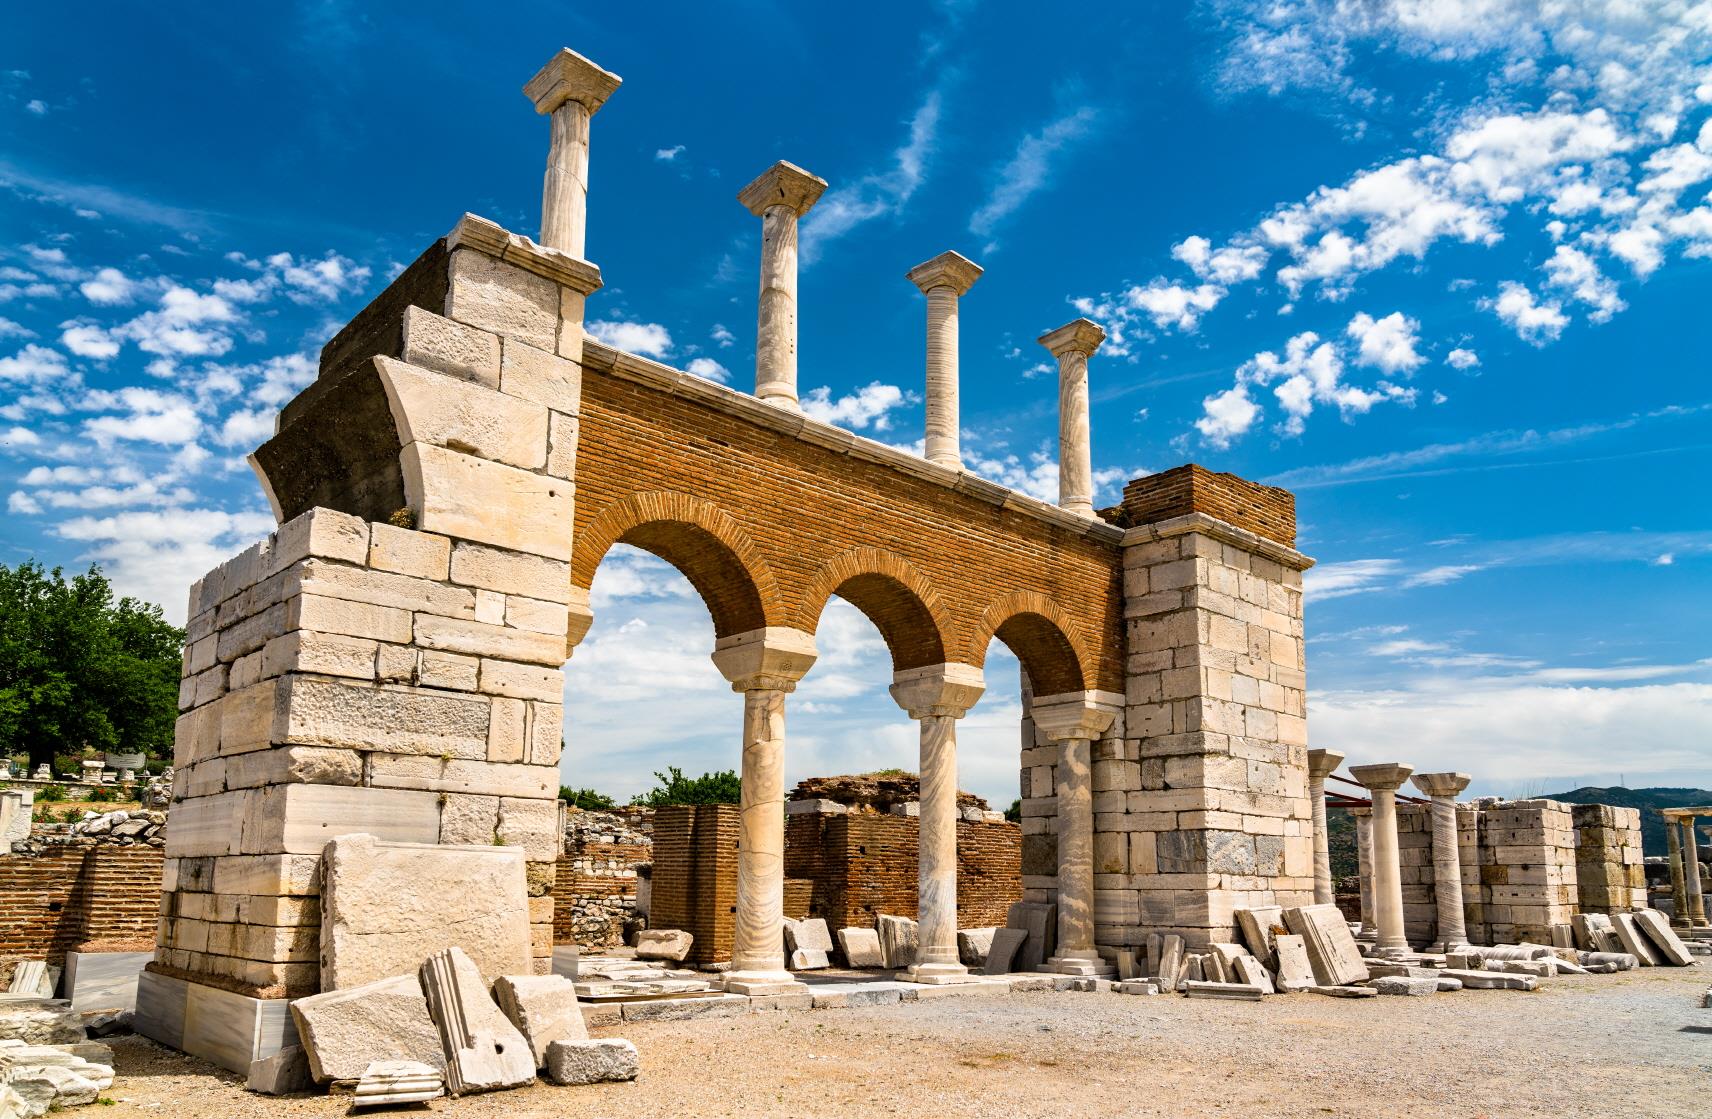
895	596
696	537
1044	638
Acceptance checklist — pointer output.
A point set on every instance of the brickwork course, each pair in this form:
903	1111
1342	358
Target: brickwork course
94	899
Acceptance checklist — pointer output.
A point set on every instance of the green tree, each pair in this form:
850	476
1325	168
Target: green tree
674	788
586	799
79	668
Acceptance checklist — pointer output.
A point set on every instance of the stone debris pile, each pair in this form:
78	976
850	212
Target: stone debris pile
443	1031
116	829
616	978
47	1061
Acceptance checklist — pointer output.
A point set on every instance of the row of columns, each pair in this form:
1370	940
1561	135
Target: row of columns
570	89
1376	836
1688	899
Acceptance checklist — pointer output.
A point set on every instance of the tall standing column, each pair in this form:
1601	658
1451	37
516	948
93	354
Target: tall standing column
1074	720
1678	873
1447	859
783	194
1691	864
572	89
1073	344
943	280
765	665
1382	781
1321	765
938	695
1364	866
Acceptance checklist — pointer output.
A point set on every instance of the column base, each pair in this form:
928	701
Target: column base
1077	965
1455	946
762	983
1392	951
936	974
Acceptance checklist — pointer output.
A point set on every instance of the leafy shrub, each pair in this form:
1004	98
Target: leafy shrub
724	787
50	794
586	799
101	794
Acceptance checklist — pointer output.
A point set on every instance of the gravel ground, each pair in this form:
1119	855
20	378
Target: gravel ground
1638	1044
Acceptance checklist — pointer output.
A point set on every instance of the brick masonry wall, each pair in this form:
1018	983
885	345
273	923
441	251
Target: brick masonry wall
1263	510
69	897
694	881
594	893
864	864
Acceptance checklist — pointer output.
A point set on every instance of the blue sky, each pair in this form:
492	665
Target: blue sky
1440	266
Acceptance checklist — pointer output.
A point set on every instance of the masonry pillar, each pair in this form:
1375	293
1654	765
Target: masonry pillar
1447	859
783	194
938	695
1074	720
1321	764
1678	873
1691	867
571	89
1382	781
765	665
1364	865
1073	344
943	280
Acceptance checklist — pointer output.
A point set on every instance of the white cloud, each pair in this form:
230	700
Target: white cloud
308	281
1228	265
1405	647
1575	272
88	340
155	555
667	155
869	406
10	329
151	416
1461	358
1387	344
722	336
1335	580
709	368
1173	304
35	364
37	106
108	288
1532	320
246	428
1439	576
877	195
186	324
1228	415
1664	559
1029	169
648	339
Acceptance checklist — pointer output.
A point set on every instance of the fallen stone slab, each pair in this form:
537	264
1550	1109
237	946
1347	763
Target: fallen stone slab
1448	984
1260	927
1635	942
483	1051
1002	951
1235	992
1040	921
30	978
1342	991
343	1032
1405	985
1671	949
281	1074
1088	984
1543	969
808	959
543	1008
841	997
1332	951
899	939
673	1010
592	1062
1379	970
861	947
810	935
664	944
1137	987
1249	970
1295	973
37	1021
973	946
390	1083
1621	961
1491	980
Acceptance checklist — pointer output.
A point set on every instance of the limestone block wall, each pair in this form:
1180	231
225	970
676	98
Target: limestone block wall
346	676
1527	869
1610	871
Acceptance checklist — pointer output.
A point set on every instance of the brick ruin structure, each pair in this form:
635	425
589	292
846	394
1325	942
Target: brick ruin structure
389	661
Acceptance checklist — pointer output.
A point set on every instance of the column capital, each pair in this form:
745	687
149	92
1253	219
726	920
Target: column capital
1323	763
782	184
578	619
568	76
938	689
772	658
1381	777
1082	336
1075	715
1441	784
947	270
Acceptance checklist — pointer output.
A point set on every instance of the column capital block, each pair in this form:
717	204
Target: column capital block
1323	763
1082	336
938	689
568	76
782	184
1075	715
1441	784
1382	777
771	658
947	270
579	619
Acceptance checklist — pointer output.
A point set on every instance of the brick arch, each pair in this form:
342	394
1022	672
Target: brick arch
1044	637
696	537
894	594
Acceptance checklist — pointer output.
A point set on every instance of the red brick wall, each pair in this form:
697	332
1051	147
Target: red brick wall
68	897
1264	510
694	884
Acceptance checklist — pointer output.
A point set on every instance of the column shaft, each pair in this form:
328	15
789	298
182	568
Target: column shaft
936	905
1076	852
1447	875
1364	867
1387	874
564	194
1075	456
759	950
1691	876
943	437
1678	874
1323	894
776	332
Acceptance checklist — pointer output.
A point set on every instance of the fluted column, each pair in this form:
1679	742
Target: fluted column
1691	864
1074	720
572	89
938	695
944	280
1447	859
1678	873
1321	764
1382	782
765	665
1073	344
782	195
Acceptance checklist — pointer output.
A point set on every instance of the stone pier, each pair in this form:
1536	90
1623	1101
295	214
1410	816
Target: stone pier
1447	858
1074	721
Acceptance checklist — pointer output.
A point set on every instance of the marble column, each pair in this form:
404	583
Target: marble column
1073	344
1691	864
782	195
943	280
1364	866
570	89
1447	859
765	665
1382	782
1678	873
1074	720
938	695
1321	765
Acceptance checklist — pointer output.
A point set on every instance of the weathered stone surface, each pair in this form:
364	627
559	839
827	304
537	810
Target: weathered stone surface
542	377
1634	942
663	944
281	1074
1040	922
1343	992
1260	927
810	934
543	1008
1670	947
590	1062
494	296
1491	980
1002	951
1250	971
899	939
973	946
483	1050
390	1083
1331	948
431	407
387	906
470	498
1239	992
325	713
434	342
808	959
511	572
40	1022
861	947
1295	973
343	1031
1405	985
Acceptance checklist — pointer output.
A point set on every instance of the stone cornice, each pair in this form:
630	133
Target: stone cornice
474	232
1222	531
734	403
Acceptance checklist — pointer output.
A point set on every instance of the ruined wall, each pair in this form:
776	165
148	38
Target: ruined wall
694	882
1610	873
864	864
594	894
99	898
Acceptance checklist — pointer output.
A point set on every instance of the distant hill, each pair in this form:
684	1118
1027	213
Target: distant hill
1649	801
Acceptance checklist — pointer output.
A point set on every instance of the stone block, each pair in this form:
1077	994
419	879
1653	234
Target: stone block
503	299
343	1031
1669	947
422	555
591	1062
40	1021
329	713
860	948
973	946
387	906
543	1008
300	819
1295	973
433	408
899	939
808	959
461	775
281	1074
1331	948
1406	985
434	342
1343	992
540	376
473	499
393	1083
1236	992
483	1051
482	639
663	944
676	1010
103	980
1040	921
